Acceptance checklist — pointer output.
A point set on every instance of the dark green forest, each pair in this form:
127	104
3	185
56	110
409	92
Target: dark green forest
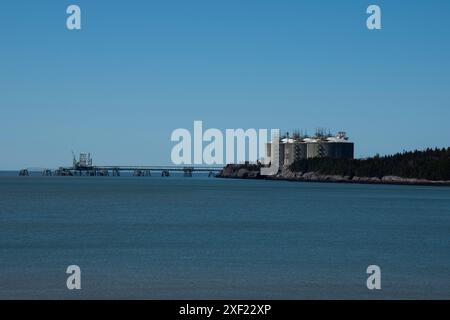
430	164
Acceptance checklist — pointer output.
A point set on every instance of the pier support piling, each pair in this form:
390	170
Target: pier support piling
165	173
187	172
24	173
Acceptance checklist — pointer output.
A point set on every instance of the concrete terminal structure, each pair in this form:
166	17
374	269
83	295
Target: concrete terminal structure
319	146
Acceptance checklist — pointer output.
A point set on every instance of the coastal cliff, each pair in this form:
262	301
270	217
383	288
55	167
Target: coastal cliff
245	172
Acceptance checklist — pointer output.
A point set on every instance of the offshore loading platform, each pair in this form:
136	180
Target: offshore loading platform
84	167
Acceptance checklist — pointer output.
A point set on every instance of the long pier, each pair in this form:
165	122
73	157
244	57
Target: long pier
138	171
84	167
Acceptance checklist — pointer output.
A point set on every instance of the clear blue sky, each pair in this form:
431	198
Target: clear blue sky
139	69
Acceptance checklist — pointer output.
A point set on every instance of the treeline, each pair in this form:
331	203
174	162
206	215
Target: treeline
431	164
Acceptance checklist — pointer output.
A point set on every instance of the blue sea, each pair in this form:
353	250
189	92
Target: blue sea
209	238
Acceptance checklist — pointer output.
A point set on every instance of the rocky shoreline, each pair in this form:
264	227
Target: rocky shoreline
253	172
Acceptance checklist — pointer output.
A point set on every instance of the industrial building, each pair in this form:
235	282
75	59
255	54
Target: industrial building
304	147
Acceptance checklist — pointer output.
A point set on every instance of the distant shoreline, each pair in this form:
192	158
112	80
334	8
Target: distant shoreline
253	172
430	167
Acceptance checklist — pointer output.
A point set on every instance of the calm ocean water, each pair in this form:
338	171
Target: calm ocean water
211	238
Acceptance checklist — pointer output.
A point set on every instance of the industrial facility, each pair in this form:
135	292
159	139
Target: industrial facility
301	146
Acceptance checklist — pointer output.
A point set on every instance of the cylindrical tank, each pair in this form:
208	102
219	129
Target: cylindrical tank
312	150
342	150
301	151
